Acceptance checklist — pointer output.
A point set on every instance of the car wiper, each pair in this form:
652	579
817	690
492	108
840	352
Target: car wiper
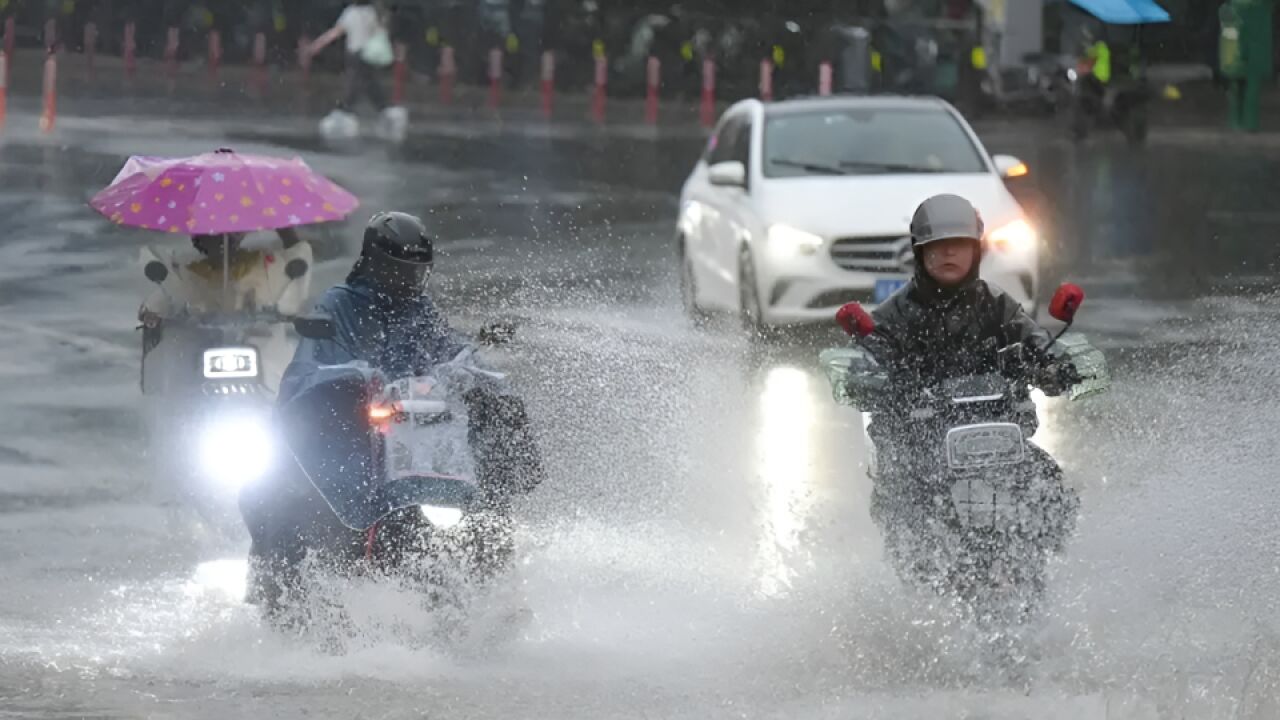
809	167
888	167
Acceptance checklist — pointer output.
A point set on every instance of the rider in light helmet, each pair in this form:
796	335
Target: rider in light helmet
948	322
946	238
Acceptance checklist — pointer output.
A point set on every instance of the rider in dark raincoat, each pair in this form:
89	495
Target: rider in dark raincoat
380	316
948	324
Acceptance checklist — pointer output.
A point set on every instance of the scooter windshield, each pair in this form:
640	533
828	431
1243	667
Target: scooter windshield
327	427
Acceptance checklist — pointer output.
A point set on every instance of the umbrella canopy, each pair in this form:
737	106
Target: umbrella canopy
1124	12
220	192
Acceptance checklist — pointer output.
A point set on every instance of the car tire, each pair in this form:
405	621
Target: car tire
749	308
689	290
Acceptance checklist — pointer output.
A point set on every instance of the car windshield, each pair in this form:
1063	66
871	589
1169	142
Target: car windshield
868	141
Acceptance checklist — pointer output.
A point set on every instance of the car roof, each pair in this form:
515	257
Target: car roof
855	102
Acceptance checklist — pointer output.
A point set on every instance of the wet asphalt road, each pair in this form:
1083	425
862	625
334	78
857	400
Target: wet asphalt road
703	548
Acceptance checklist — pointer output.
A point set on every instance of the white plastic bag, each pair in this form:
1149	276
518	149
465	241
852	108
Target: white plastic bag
377	51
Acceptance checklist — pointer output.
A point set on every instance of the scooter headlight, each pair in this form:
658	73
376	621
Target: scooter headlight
236	451
230	363
442	517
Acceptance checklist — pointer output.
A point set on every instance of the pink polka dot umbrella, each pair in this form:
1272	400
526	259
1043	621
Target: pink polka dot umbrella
220	192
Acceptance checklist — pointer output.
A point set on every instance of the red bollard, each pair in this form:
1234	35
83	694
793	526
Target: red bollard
495	78
766	80
446	74
130	48
653	81
10	37
91	46
399	74
171	52
215	54
548	83
600	95
824	79
4	87
260	63
708	93
50	114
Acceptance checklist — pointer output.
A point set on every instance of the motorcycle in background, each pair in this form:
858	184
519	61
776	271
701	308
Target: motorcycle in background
1121	104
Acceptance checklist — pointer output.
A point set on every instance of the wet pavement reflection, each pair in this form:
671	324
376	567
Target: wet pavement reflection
696	473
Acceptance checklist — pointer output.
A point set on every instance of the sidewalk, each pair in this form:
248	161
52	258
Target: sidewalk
242	92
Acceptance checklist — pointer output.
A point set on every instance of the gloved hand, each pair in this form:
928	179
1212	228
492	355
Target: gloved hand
1059	378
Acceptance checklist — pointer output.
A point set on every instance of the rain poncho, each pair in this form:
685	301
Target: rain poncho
926	335
400	338
324	392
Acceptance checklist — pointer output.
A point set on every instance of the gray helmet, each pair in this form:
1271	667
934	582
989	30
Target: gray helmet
944	217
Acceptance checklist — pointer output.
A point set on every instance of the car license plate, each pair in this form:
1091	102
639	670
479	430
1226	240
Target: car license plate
886	288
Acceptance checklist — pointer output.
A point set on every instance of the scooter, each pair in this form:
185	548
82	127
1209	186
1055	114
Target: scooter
408	478
969	507
212	380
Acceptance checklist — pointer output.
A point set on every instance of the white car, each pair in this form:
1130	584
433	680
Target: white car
798	207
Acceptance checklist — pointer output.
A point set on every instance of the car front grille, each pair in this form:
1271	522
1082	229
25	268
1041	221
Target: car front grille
876	254
836	298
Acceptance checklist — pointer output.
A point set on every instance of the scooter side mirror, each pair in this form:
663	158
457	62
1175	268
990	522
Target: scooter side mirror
855	321
1066	302
296	268
315	326
1010	167
497	332
156	272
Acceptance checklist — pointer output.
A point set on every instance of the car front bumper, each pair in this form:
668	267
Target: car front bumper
790	297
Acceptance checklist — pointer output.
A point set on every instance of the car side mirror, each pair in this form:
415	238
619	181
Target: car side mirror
296	268
1010	167
497	332
156	272
728	174
315	326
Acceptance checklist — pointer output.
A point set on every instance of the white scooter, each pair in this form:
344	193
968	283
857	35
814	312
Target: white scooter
211	379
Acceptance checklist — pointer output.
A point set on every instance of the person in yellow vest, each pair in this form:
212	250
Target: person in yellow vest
1096	59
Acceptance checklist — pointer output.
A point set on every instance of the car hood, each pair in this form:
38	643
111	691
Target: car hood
876	204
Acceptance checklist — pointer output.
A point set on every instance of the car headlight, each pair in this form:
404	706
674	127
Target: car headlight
1017	236
789	240
236	450
442	517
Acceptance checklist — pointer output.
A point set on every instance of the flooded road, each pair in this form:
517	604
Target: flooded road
703	546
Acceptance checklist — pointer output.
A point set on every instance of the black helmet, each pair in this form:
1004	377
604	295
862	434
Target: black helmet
397	253
944	217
